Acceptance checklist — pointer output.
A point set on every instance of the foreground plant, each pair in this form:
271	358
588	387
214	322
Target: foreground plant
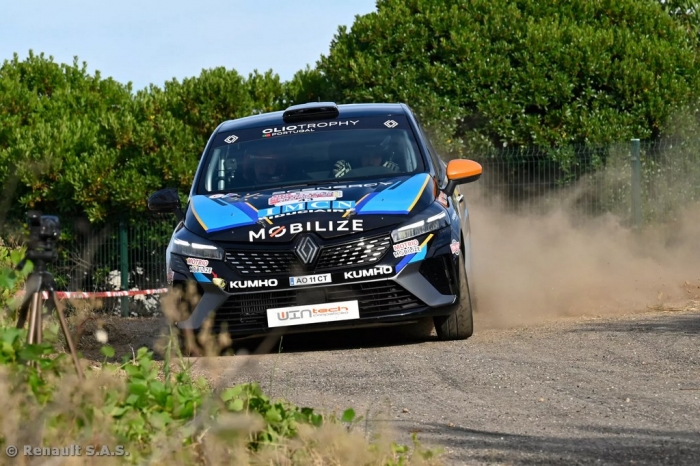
145	411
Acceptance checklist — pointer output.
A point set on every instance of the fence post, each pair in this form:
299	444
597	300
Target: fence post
636	185
124	264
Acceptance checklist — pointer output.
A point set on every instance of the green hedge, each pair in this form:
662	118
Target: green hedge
481	75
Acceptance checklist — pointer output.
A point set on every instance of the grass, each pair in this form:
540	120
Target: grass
152	412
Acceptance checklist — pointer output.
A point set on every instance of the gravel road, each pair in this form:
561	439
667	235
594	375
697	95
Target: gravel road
606	390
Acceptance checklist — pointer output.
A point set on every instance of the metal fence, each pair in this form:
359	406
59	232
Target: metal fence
125	254
640	182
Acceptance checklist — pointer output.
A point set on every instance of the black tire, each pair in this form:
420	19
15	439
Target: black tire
460	324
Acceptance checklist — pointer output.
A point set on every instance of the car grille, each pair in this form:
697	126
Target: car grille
261	262
353	254
249	311
243	312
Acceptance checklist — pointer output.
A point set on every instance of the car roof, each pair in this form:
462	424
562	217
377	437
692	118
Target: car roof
345	111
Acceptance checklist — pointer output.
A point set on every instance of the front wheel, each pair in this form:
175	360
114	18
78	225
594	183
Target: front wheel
460	324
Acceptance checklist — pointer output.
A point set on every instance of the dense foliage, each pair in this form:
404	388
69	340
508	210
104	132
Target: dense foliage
481	74
526	72
75	143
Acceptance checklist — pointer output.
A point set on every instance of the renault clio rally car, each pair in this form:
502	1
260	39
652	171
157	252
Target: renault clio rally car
321	217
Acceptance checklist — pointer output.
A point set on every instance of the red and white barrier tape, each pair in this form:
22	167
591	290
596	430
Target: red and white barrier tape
99	294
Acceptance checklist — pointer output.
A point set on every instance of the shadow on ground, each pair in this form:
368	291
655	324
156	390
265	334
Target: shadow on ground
592	445
127	335
373	337
676	323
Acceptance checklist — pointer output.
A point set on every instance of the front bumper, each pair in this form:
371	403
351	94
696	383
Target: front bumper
421	288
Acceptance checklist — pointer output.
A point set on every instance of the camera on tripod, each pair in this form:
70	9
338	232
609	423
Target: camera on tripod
44	230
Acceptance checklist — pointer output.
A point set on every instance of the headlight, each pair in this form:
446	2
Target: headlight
203	251
418	228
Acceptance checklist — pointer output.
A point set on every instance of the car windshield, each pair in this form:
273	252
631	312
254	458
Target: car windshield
350	149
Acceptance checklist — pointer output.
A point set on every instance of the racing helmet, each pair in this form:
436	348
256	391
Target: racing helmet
265	167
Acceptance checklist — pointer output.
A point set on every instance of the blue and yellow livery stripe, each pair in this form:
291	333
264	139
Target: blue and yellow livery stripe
349	211
419	256
397	199
420	191
216	214
256	211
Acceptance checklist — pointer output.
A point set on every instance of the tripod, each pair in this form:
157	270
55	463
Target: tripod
39	281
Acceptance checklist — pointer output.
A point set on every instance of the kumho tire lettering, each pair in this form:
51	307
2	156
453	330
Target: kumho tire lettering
375	272
241	284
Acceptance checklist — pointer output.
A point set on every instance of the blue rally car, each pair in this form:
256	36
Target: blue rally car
320	217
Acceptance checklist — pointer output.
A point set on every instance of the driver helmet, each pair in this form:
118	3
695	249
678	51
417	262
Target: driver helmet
266	167
372	157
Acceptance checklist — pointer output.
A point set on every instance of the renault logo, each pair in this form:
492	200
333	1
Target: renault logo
307	250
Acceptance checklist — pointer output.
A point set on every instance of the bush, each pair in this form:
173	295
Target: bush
489	73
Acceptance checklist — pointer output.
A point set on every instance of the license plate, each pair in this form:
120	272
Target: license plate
312	314
310	279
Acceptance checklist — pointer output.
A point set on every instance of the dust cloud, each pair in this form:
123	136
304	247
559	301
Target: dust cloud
531	267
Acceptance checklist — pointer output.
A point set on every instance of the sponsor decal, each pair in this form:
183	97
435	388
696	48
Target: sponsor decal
373	272
454	215
407	247
281	208
310	279
198	269
279	231
417	257
305	208
311	314
194	261
303	196
241	284
454	247
305	127
442	199
198	265
234	196
231	139
337	186
391	124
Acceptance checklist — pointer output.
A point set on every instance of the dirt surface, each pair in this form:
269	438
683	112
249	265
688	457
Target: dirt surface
599	390
622	390
559	370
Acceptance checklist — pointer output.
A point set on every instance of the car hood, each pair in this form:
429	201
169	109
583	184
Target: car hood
329	210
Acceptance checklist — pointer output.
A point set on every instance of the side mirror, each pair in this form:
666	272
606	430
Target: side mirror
460	171
166	201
